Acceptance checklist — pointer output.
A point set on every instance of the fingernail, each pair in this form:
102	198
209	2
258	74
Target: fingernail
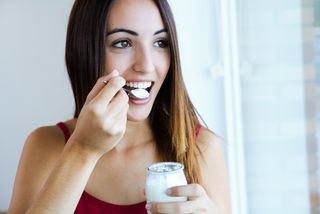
114	72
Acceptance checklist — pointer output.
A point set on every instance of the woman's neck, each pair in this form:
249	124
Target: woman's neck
137	134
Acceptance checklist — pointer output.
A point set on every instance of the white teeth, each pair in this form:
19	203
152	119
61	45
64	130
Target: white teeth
142	85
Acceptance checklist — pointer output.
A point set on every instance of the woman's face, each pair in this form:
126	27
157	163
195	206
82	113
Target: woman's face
137	45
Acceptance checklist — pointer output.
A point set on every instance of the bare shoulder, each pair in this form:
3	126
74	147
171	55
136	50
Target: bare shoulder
40	152
43	145
209	143
213	168
47	139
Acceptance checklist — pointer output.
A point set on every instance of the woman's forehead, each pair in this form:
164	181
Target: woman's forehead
135	14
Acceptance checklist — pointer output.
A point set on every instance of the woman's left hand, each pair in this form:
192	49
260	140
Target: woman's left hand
198	201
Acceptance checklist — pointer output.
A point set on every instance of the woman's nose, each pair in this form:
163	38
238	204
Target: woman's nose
143	60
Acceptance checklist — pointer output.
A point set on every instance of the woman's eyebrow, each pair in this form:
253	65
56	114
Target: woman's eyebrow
118	30
123	30
161	31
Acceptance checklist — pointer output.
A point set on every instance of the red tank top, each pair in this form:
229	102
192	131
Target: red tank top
92	205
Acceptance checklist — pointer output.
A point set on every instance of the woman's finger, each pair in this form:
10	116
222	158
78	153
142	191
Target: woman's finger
174	207
100	84
120	110
121	118
119	100
119	121
109	91
190	191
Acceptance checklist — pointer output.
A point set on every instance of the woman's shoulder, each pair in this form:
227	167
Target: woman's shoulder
213	168
47	141
208	142
46	137
51	136
43	145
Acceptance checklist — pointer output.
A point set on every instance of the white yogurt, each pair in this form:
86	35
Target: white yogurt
139	93
162	176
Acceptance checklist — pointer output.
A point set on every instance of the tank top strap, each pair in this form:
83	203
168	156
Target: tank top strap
198	127
65	130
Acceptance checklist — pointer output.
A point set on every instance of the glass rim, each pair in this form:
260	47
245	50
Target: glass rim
152	167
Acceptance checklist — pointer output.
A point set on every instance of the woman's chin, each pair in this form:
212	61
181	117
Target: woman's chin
139	112
137	116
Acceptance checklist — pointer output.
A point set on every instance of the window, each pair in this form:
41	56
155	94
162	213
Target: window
260	75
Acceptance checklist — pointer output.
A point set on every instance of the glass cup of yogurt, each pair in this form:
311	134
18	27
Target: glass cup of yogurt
162	176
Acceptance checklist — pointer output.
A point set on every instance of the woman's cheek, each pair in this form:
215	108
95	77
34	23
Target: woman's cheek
121	62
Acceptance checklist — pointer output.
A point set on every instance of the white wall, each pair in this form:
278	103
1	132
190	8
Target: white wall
197	26
34	88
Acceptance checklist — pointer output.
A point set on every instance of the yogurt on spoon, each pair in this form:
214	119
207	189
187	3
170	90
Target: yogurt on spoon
138	93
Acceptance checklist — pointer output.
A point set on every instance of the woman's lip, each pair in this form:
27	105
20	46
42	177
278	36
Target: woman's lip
139	101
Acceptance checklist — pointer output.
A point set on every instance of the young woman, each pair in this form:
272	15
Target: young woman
96	162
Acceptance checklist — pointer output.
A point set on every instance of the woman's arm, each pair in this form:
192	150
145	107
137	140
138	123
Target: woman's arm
66	182
40	153
100	126
38	188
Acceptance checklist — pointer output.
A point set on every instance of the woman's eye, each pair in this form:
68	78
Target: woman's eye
161	43
121	44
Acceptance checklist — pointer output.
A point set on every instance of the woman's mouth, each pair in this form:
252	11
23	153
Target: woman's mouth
138	90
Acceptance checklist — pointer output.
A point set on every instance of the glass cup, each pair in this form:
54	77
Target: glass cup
162	176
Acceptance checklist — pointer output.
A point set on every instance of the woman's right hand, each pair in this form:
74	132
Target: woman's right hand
102	120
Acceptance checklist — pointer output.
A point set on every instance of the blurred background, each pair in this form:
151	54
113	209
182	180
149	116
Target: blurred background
252	68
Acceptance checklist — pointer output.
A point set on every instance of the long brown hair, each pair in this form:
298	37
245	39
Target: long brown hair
173	117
